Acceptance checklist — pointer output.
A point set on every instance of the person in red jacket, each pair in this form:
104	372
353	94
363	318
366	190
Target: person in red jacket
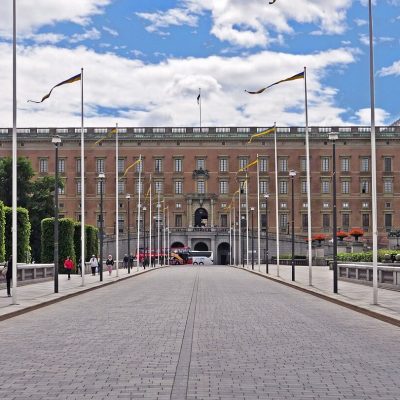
68	265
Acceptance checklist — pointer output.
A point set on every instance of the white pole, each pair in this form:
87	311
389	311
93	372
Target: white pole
83	236
14	162
258	216
168	237
200	106
158	228
276	202
116	202
373	162
230	236
164	230
150	224
240	227
138	213
234	235
247	221
309	226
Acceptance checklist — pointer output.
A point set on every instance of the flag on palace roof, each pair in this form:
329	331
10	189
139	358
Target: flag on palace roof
198	99
70	80
292	78
109	134
265	132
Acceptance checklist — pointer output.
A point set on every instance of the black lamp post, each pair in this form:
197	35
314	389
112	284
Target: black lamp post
333	137
128	197
266	196
101	177
252	237
243	222
292	174
56	141
144	237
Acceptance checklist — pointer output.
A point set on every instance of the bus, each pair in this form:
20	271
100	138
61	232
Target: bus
180	256
202	257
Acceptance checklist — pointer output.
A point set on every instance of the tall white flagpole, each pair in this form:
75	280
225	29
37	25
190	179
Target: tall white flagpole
138	213
276	202
258	217
230	236
200	106
309	225
240	226
373	161
164	231
14	162
150	224
168	237
247	221
116	202
158	228
83	236
234	235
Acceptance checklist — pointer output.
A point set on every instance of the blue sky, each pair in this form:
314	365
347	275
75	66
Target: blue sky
144	61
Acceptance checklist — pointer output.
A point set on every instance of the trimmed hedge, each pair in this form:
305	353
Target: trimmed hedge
2	232
365	256
91	236
66	229
23	233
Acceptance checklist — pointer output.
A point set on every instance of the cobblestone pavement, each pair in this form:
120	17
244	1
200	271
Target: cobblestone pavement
198	333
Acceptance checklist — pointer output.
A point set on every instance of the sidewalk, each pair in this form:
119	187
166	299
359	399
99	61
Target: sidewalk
36	295
352	295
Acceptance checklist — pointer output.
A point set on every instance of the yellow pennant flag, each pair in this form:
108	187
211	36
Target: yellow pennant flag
266	132
248	165
131	166
109	134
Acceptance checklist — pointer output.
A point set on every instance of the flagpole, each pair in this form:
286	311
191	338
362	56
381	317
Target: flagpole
14	162
163	243
240	227
309	225
247	221
258	216
138	213
373	161
150	226
234	234
158	228
83	243
168	237
276	201
200	106
116	202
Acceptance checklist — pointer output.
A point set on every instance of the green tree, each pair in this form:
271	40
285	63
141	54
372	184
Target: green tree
24	185
23	233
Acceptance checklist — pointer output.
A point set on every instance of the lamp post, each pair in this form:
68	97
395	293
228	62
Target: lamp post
101	177
243	222
144	236
266	196
128	197
292	174
333	137
56	141
252	237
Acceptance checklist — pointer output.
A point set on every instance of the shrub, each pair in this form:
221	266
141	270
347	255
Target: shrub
23	233
91	236
366	256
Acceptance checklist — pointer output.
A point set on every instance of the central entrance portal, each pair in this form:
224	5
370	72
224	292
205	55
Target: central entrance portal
200	217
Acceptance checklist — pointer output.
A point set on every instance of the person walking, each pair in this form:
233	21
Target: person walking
94	263
69	266
110	263
126	261
9	276
79	267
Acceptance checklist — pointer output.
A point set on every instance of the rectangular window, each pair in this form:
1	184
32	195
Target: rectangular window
283	164
345	187
223	165
137	188
325	187
121	223
223	187
387	164
158	165
263	187
364	186
345	164
200	163
388	221
100	162
61	190
303	164
201	188
388	186
78	165
78	187
326	221
345	220
243	187
224	220
365	221
364	164
325	164
121	165
243	161
304	221
178	220
303	187
178	187
283	187
283	222
61	165
121	187
178	164
43	165
158	186
263	163
99	185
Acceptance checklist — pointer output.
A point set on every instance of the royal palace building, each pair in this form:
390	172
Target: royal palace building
194	174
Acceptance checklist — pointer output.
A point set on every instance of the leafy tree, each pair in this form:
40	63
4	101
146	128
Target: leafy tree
24	185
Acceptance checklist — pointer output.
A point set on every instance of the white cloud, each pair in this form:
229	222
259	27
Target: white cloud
361	22
33	15
91	34
364	116
165	93
393	69
112	32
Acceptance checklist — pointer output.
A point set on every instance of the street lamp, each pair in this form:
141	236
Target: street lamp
292	174
252	237
101	177
128	197
144	236
333	137
266	196
56	141
243	222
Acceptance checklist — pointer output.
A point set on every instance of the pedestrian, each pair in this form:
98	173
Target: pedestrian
109	263
79	267
9	276
131	259
126	261
69	266
94	263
